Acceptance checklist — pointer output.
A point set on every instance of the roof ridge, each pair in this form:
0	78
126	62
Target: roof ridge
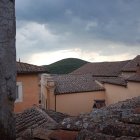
131	65
110	61
45	114
29	64
30	68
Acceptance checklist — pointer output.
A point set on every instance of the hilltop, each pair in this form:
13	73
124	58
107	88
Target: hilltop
65	66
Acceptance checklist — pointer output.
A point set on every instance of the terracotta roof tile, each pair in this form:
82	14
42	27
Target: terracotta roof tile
112	80
75	83
134	78
57	116
29	68
131	66
31	118
102	68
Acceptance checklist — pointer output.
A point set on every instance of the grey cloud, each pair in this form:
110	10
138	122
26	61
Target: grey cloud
83	22
54	10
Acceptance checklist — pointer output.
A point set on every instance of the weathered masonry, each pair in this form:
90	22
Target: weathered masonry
7	69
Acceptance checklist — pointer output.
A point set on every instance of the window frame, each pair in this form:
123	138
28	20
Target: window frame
20	92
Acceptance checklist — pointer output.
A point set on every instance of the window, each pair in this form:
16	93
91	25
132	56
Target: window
19	96
99	104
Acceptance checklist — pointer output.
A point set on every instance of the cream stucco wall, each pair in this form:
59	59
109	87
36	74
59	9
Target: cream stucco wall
115	93
43	84
47	92
134	89
77	103
52	99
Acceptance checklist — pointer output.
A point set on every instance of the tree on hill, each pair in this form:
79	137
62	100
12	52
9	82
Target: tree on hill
65	66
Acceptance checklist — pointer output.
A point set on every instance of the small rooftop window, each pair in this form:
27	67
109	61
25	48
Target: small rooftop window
99	104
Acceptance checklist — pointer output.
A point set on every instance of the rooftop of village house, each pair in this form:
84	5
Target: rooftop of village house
112	80
91	76
75	83
120	121
24	68
109	69
134	78
78	83
36	117
131	66
99	69
47	124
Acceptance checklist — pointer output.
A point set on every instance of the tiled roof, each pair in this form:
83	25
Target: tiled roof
31	118
134	78
57	116
131	66
102	68
75	83
112	80
29	68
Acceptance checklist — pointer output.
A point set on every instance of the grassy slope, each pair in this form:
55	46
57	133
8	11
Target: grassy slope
65	66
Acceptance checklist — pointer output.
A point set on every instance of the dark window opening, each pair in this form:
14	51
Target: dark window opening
39	101
99	104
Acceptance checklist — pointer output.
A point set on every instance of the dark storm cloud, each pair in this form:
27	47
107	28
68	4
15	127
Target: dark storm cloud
107	27
117	20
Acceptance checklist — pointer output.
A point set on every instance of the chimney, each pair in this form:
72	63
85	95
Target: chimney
138	68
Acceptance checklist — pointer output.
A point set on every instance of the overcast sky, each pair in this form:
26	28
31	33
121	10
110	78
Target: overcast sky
93	30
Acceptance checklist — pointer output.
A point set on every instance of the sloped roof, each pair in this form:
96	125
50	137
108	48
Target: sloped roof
29	68
112	80
131	66
102	68
31	118
134	78
71	83
57	116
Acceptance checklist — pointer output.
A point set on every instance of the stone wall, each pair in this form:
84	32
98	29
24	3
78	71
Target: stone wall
7	69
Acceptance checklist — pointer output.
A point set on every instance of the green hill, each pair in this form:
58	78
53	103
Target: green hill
65	66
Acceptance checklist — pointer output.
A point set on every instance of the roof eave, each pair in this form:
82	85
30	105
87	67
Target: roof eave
31	72
124	85
78	92
128	70
133	81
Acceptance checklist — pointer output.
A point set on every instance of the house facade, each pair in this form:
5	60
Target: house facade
28	85
115	93
91	86
71	94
